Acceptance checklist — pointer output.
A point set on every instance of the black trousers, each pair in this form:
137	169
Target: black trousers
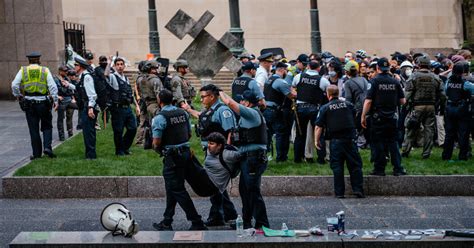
39	113
123	117
345	151
89	133
457	120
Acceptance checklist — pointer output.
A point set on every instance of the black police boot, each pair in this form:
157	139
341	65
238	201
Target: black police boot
162	226
359	194
49	153
198	226
376	173
214	222
399	173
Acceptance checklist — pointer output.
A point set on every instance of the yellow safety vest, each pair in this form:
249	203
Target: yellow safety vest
33	80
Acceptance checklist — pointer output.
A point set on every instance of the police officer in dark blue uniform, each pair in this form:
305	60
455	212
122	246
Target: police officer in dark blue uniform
90	110
251	138
246	82
457	115
36	91
216	117
171	134
121	97
278	116
383	99
337	118
311	90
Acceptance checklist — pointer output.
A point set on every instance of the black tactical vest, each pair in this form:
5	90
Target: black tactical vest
239	85
271	94
81	90
340	120
177	127
63	91
122	96
426	87
308	89
206	126
386	96
254	135
455	91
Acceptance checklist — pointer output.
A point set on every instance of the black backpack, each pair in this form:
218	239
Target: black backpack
101	87
235	170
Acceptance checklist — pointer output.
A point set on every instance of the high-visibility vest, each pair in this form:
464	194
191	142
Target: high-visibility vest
33	81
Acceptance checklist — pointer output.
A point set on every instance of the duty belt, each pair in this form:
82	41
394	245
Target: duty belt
37	101
120	105
307	105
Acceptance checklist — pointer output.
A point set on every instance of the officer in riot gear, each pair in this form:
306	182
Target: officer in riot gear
383	99
182	89
150	89
423	91
278	97
171	134
337	119
36	91
311	93
121	97
251	139
457	115
215	117
139	82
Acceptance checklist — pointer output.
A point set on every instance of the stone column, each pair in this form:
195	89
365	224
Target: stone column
154	36
315	34
26	26
235	27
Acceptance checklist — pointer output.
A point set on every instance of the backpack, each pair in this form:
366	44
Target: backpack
101	88
359	95
234	171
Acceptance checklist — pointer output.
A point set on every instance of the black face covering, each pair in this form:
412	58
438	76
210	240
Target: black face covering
103	65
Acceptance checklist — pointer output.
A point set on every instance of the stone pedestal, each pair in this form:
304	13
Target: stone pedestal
25	26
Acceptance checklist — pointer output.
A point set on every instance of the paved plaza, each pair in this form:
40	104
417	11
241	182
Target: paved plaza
298	212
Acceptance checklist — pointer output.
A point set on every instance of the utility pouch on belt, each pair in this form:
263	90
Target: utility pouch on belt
24	104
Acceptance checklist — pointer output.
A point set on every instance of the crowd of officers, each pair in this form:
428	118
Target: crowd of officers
327	106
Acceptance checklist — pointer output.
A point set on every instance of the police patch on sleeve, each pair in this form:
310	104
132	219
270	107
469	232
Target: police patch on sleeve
226	114
369	85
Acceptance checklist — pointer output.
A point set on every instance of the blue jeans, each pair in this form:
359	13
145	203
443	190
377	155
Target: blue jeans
123	117
88	132
253	205
174	174
222	207
345	150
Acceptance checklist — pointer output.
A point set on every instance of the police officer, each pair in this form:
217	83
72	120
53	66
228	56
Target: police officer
171	134
151	88
337	118
215	117
251	138
383	98
457	115
66	101
279	94
182	89
139	82
310	88
90	110
246	82
423	90
35	88
264	70
121	96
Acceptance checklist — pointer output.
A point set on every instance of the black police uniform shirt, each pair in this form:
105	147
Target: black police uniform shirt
385	93
337	118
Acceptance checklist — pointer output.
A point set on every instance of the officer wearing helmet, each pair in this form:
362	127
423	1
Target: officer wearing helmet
423	91
139	81
182	89
152	86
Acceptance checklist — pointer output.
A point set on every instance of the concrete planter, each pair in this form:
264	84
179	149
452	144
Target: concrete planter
143	187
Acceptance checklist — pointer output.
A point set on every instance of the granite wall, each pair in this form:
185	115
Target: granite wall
25	26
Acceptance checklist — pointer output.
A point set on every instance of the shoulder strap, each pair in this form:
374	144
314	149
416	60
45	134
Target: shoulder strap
221	159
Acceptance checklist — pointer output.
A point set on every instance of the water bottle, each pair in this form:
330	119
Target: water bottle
284	228
239	226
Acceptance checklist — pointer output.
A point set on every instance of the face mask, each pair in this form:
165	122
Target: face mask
346	60
332	74
103	65
408	72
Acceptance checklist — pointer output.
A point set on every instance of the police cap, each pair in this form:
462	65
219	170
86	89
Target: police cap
81	62
303	58
249	66
383	64
89	56
281	65
424	61
245	55
458	68
250	97
266	57
33	55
